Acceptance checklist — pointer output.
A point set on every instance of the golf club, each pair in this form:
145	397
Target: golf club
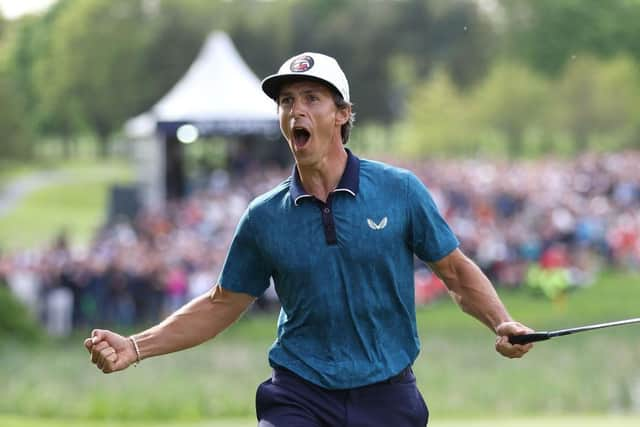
544	335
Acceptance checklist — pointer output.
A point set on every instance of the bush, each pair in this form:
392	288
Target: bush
15	321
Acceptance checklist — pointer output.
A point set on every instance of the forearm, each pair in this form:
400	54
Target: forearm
198	321
475	294
472	290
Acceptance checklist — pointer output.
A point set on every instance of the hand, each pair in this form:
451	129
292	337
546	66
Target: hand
110	352
504	347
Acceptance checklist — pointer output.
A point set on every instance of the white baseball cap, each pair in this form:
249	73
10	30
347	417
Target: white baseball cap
315	66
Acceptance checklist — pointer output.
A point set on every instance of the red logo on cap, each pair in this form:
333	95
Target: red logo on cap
301	64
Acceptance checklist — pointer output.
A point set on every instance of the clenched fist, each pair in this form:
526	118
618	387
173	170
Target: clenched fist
504	347
110	352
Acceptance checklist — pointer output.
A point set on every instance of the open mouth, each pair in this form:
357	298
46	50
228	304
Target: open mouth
300	136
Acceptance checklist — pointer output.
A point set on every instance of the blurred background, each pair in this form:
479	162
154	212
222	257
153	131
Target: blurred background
134	134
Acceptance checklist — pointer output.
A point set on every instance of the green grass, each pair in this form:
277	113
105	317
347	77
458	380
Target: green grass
458	371
12	170
597	371
76	202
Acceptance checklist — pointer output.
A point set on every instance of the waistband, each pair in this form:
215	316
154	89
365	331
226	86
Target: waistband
399	377
404	374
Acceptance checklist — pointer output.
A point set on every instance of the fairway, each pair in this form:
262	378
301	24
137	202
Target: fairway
82	188
564	421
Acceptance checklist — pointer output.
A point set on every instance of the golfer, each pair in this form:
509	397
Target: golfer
338	238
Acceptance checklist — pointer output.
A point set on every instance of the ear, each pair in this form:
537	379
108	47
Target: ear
343	115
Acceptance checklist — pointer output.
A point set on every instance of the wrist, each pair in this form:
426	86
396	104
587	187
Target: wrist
505	327
136	350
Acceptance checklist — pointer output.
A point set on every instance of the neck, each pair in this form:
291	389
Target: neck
322	178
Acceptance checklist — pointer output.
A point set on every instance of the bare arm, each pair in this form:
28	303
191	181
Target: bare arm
198	321
474	293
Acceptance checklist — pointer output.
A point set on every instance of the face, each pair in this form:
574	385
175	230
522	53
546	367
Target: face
310	121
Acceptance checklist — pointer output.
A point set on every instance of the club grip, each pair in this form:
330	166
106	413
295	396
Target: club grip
527	338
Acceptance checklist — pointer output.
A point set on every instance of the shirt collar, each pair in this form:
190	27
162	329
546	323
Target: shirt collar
350	181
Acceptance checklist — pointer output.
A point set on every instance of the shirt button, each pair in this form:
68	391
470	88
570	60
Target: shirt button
326	210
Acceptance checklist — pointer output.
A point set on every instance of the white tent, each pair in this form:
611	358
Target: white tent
218	94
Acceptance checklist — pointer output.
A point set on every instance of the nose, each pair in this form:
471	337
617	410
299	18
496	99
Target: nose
297	108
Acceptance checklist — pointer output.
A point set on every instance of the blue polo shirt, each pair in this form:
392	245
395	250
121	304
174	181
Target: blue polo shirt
343	271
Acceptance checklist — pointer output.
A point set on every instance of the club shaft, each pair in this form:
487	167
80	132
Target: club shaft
561	332
542	335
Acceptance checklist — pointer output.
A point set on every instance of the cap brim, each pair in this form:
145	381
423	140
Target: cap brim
272	84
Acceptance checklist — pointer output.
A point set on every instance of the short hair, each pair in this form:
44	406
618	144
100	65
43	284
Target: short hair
345	130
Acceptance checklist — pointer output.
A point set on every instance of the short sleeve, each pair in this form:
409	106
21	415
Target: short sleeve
245	269
430	237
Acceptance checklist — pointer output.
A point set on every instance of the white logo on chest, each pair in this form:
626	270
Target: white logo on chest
382	224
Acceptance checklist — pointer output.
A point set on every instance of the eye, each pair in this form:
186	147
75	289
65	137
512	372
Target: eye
285	100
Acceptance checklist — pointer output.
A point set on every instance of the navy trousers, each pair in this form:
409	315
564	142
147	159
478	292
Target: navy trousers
286	400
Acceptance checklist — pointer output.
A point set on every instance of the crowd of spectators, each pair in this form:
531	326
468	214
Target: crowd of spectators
577	214
574	214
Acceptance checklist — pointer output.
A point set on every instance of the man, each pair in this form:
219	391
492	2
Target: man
338	238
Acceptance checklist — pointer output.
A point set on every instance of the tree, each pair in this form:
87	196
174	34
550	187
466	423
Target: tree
547	34
594	104
367	39
15	142
598	103
439	121
511	101
86	66
492	118
85	81
92	66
